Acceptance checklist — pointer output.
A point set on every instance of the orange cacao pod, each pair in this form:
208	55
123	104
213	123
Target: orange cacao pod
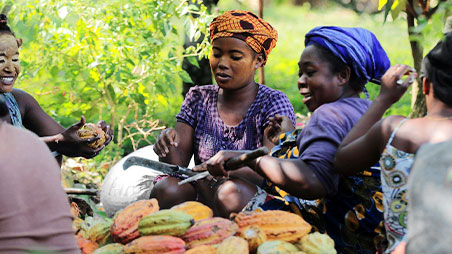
233	245
277	225
204	249
209	231
198	210
155	244
254	235
86	246
125	223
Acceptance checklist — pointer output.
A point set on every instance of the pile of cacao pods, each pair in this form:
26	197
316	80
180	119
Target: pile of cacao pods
191	228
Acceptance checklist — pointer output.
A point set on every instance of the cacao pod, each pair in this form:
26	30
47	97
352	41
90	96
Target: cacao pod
196	209
155	244
100	232
277	247
76	224
86	246
90	130
112	248
125	223
233	245
165	222
316	243
254	235
277	225
209	231
204	249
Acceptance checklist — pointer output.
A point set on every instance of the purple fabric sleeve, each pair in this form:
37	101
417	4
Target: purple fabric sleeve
189	110
278	103
326	129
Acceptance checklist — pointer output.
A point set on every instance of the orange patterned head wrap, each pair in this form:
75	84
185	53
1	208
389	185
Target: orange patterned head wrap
246	26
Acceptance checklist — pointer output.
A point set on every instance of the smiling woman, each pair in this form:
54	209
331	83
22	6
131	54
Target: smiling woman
24	110
234	114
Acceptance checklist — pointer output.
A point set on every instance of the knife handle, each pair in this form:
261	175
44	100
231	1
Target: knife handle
239	161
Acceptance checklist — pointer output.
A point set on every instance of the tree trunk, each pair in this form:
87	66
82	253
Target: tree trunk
418	106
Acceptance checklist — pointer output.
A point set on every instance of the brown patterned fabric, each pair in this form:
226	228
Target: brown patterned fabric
246	26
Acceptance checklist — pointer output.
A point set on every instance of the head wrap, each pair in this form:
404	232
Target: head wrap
356	47
246	26
437	67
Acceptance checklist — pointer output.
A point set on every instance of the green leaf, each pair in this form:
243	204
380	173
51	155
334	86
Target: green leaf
397	7
185	77
111	90
193	61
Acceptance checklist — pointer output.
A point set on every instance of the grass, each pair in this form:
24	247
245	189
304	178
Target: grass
293	22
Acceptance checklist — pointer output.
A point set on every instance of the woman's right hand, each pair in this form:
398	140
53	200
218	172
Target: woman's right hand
396	81
168	137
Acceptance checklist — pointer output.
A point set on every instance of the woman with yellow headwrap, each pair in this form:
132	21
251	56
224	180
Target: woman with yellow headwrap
233	115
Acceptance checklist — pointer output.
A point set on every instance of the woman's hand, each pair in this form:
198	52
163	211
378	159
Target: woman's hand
168	137
395	82
216	164
70	144
277	125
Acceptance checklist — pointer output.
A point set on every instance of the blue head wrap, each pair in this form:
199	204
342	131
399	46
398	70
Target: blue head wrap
356	47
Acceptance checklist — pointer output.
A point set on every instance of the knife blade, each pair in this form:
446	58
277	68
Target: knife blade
231	164
157	165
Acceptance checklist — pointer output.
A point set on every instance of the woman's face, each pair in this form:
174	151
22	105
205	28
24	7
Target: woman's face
316	83
9	62
233	63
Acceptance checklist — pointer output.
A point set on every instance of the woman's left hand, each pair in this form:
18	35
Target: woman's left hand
216	164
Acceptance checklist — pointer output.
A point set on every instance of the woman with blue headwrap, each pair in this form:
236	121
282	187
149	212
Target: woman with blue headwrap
333	70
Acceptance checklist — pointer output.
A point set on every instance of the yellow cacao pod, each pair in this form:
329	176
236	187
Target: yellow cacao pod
165	222
316	243
254	235
209	231
125	222
196	209
90	130
277	225
155	244
202	249
277	247
233	245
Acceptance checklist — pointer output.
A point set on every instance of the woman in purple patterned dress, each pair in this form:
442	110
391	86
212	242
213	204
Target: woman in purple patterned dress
233	115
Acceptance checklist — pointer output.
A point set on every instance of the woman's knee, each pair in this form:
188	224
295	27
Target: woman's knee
169	193
232	196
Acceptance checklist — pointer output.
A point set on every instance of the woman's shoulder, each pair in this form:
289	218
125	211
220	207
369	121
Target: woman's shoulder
205	89
270	92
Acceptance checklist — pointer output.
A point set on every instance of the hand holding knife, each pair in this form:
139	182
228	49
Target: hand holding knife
231	164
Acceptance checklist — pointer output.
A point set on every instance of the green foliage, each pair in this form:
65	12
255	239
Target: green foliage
113	60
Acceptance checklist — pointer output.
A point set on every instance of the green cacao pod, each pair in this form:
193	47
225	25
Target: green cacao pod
165	222
277	247
100	232
112	248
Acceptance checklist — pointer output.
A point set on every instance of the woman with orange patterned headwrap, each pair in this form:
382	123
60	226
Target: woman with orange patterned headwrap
233	115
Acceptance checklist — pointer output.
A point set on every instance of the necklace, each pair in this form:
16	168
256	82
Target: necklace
438	118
